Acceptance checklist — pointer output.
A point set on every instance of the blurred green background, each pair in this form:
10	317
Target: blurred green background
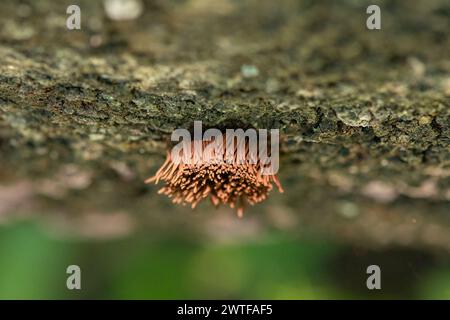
33	264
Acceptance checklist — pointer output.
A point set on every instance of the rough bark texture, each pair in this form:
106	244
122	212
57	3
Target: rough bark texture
85	115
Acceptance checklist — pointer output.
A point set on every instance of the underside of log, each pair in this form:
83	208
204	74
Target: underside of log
85	115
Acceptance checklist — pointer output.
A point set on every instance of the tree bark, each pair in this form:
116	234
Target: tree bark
85	115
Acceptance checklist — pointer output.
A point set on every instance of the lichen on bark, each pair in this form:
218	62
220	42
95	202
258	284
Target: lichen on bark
85	115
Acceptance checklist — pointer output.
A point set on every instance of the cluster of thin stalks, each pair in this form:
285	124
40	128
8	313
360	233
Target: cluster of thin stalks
235	183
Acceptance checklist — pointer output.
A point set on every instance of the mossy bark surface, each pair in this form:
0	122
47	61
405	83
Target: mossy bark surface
364	115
